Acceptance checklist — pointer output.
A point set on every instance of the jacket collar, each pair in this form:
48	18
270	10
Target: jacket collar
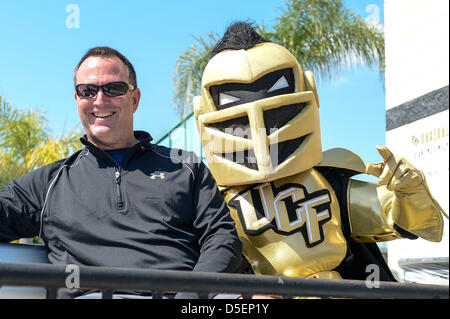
143	137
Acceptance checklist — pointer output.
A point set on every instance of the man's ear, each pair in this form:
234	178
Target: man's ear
136	96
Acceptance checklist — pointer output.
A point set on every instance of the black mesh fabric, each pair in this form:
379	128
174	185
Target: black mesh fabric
281	151
275	119
246	158
250	92
237	127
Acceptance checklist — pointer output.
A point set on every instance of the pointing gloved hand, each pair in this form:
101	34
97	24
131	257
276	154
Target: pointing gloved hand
395	172
413	208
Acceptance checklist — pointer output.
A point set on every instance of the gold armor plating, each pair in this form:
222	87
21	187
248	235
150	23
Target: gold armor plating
343	158
326	275
369	217
297	231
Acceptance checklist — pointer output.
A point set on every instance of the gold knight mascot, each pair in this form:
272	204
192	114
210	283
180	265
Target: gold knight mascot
297	210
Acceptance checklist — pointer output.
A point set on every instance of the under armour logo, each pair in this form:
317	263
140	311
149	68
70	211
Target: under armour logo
154	176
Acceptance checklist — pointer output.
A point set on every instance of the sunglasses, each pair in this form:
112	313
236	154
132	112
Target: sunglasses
111	89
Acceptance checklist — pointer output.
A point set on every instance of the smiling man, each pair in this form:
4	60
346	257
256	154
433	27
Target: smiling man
121	201
107	117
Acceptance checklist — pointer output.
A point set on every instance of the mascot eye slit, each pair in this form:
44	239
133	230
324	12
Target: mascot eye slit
282	83
226	98
231	94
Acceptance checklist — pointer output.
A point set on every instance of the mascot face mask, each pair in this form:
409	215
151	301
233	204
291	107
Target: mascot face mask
258	115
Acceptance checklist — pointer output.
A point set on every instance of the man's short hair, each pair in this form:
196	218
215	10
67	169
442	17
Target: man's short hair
108	52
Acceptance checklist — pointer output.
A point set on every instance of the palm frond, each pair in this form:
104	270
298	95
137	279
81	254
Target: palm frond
26	144
326	37
188	72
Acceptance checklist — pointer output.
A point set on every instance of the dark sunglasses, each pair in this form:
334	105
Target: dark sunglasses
111	89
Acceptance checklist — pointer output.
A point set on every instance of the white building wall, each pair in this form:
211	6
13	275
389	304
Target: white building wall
417	48
417	76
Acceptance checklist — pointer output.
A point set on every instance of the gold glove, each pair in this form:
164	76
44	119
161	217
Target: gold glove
413	208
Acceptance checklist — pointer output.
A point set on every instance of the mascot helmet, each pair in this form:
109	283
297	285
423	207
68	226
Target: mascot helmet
258	113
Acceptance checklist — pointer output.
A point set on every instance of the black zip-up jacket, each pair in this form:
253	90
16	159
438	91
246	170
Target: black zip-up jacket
155	211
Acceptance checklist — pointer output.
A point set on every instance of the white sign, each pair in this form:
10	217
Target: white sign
425	144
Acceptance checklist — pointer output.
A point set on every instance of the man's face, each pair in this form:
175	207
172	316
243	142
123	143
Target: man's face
108	121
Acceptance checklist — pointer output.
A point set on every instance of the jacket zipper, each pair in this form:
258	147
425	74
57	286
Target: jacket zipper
119	203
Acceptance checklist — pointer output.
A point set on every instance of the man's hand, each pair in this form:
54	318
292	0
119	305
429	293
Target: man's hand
395	172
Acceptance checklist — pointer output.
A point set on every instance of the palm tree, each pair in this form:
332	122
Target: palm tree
324	35
187	76
25	143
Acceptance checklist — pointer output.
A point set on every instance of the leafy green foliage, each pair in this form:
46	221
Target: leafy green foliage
188	72
26	144
324	35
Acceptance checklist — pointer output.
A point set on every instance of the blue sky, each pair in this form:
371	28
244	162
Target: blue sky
39	52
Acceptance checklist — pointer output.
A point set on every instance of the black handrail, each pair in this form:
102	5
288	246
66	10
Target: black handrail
110	279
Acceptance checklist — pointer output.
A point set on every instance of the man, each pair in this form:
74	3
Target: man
121	201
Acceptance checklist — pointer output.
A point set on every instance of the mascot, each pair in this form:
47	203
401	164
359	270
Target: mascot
297	209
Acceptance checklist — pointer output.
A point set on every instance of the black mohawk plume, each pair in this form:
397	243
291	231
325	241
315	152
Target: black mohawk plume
238	36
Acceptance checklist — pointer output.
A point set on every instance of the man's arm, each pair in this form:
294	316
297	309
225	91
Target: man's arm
21	204
220	247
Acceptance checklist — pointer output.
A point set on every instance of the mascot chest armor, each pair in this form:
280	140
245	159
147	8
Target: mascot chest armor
291	226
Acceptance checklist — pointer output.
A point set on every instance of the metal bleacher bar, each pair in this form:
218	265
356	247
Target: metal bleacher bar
108	280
